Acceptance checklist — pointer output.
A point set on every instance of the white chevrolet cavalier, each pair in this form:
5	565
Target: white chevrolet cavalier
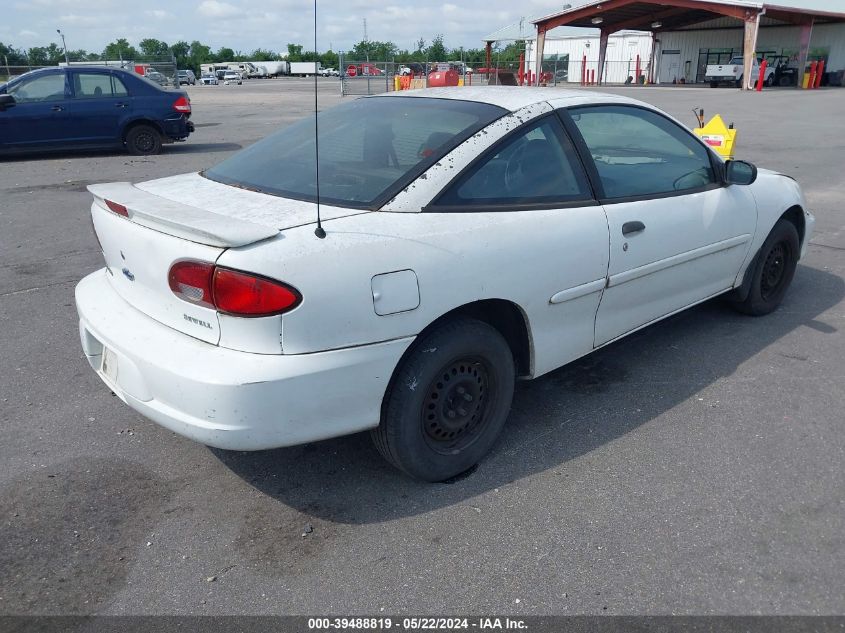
472	236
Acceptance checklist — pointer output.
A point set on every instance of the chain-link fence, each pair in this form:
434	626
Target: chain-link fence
10	72
369	77
586	72
564	72
162	70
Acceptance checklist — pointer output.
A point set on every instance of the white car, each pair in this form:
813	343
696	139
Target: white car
505	233
208	79
232	76
329	72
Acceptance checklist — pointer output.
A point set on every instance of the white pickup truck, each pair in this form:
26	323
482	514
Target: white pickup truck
732	73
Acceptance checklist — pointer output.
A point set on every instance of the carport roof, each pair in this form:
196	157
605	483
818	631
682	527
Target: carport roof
616	15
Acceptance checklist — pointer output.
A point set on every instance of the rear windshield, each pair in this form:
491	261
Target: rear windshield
369	148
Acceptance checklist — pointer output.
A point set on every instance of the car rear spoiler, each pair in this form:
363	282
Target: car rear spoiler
178	219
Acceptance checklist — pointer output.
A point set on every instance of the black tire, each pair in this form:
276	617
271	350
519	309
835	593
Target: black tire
774	268
770	81
143	140
714	84
448	401
739	82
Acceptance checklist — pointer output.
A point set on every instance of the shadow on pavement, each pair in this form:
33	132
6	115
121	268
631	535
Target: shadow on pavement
559	417
84	154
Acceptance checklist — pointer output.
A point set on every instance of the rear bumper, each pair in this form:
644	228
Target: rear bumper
225	398
177	128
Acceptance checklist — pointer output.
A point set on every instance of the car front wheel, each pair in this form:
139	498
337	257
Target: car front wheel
774	268
143	140
448	401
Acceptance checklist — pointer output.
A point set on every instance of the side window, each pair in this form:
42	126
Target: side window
638	152
538	165
92	85
118	87
44	88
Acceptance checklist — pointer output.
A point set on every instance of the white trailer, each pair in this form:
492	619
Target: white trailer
244	69
303	69
272	69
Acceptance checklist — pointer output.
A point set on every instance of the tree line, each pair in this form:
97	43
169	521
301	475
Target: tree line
191	55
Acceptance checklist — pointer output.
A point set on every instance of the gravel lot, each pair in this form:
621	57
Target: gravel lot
696	467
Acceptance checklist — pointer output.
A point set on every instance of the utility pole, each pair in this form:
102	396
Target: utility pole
64	45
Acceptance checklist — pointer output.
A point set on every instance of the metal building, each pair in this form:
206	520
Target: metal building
686	35
566	48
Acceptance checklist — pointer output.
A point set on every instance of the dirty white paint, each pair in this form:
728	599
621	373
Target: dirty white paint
329	374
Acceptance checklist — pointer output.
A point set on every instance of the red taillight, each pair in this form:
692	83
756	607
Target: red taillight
182	104
249	295
117	208
191	281
231	291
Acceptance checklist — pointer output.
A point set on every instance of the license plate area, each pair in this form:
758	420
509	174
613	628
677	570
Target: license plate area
108	366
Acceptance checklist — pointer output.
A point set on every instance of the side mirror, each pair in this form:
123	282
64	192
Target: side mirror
740	172
6	101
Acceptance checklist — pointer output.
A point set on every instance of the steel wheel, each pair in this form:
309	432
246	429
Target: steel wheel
143	140
448	400
774	270
454	412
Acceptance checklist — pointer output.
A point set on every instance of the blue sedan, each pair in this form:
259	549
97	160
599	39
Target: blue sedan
87	107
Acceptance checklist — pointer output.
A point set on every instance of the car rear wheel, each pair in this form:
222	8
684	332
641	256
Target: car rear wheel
143	140
448	401
774	268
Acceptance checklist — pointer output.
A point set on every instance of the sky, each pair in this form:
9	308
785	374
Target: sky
269	24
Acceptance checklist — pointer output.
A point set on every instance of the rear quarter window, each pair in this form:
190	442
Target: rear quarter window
368	149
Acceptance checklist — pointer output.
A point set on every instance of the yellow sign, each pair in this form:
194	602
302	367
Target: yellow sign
718	136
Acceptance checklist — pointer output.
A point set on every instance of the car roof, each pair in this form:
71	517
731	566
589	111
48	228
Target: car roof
513	98
63	69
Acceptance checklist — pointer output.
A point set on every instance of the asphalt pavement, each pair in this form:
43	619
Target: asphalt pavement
693	468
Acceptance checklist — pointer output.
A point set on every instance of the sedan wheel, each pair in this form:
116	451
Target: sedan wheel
448	401
774	268
143	140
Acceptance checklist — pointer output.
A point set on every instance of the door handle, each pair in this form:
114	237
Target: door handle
629	228
121	105
57	108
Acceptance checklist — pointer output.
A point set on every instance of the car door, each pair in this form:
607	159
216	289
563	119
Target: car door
40	114
524	212
101	103
678	235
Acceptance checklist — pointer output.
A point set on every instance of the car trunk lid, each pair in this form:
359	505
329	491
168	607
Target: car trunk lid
255	207
180	220
138	260
161	222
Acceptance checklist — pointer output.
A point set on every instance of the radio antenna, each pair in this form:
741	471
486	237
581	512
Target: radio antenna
319	231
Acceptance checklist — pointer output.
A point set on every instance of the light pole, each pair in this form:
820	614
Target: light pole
64	45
